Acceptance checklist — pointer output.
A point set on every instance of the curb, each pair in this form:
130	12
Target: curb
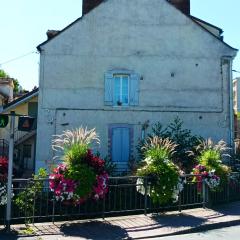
202	228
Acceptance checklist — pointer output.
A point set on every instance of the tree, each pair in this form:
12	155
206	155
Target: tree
3	74
16	86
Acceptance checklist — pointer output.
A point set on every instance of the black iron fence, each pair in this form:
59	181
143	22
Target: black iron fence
33	202
3	148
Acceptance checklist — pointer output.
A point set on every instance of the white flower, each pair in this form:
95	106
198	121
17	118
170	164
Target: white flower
3	194
140	187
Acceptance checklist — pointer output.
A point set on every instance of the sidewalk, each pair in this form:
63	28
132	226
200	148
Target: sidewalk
137	226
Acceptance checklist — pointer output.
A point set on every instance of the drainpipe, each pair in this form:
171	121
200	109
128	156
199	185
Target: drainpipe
227	60
231	112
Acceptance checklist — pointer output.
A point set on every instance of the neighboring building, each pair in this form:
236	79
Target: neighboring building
124	63
6	91
24	142
236	95
236	106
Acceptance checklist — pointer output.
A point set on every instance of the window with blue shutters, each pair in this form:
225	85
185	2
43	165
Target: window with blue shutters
121	88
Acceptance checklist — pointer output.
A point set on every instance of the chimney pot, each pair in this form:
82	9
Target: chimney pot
88	5
51	33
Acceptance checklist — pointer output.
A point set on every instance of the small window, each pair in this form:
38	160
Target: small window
121	90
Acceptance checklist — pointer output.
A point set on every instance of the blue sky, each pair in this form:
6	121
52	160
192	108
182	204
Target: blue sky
24	23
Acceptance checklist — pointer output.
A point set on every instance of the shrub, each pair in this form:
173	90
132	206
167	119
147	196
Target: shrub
26	198
184	139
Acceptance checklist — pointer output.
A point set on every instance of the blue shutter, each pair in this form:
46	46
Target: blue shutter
108	91
134	90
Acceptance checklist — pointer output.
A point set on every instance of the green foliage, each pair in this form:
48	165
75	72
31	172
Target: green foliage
238	115
75	153
86	177
183	138
16	88
110	166
163	173
25	200
27	230
3	74
210	158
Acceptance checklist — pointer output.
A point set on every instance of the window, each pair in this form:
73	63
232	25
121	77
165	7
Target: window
121	88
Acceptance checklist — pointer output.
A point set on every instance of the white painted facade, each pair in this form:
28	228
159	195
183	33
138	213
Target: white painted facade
184	71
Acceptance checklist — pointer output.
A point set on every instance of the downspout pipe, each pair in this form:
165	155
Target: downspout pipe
231	112
228	61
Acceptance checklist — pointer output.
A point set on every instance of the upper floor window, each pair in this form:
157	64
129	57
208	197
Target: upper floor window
121	88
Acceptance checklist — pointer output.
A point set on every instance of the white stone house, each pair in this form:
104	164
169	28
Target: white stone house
124	63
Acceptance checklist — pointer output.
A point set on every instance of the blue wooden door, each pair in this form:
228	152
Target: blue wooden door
121	147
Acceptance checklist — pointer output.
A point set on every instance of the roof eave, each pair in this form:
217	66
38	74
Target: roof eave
23	100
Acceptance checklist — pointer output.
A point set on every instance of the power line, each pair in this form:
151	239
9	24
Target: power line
17	58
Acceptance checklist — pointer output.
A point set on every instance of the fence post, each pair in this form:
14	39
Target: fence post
228	189
145	195
204	192
10	170
180	201
53	211
103	209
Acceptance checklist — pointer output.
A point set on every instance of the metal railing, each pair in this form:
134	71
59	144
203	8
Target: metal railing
21	135
123	198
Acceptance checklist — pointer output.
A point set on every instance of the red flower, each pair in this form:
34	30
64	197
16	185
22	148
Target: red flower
3	167
94	161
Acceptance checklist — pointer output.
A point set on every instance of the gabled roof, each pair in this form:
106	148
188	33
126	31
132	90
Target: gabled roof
189	16
20	100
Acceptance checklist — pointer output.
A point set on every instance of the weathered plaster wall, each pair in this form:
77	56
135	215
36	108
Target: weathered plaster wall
180	64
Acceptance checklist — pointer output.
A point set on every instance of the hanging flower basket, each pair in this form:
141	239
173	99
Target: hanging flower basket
82	174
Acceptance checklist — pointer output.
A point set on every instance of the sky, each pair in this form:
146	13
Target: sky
24	23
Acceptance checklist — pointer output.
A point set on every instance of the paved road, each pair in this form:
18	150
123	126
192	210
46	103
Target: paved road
228	233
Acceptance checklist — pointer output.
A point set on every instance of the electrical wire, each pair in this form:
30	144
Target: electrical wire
17	58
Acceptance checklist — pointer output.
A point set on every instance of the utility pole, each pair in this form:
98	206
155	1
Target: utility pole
10	170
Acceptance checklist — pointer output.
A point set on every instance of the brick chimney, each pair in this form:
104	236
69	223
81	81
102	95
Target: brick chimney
182	5
88	5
